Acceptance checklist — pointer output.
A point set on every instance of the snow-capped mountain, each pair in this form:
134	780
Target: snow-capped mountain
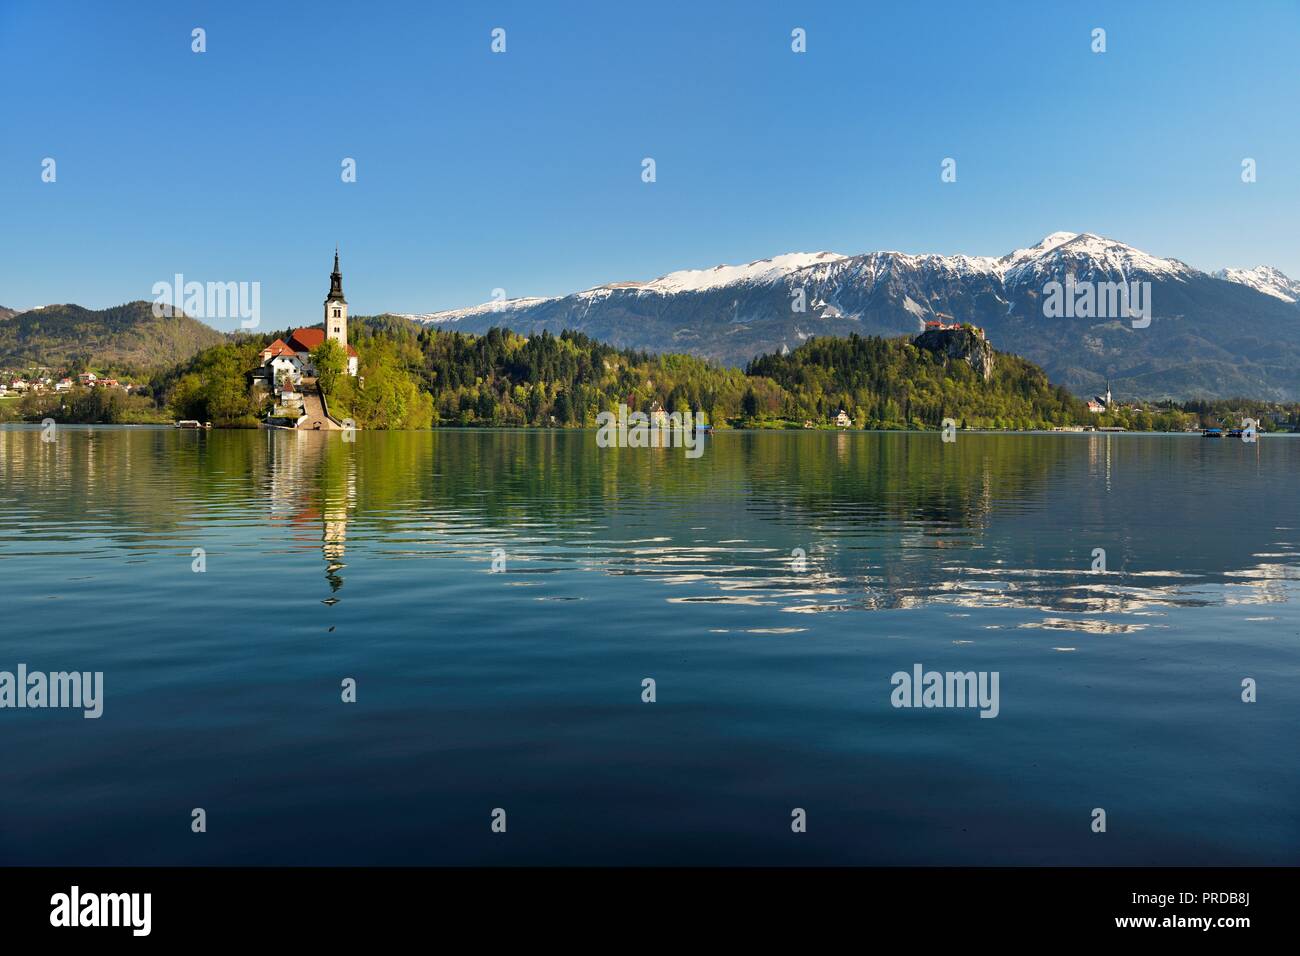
687	280
1209	335
1264	279
1087	257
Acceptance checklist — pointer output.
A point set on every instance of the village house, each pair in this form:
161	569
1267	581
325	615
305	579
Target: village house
289	402
842	420
280	363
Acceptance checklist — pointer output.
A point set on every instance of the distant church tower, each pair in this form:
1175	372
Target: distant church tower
345	312
336	308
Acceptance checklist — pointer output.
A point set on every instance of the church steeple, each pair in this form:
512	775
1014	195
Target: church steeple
336	281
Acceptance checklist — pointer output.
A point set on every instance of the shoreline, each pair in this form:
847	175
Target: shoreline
155	426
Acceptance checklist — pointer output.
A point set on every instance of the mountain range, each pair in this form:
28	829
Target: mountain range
1211	335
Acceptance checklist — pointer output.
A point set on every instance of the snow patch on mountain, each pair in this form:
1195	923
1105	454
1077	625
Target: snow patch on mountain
1048	243
915	308
504	306
1264	279
760	272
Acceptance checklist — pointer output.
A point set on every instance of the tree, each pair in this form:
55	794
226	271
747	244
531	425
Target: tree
331	362
563	408
536	401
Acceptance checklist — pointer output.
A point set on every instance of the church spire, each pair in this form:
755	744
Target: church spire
336	281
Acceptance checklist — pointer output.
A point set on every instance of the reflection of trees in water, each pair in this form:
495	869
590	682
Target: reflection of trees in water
937	488
891	511
891	520
887	520
1012	521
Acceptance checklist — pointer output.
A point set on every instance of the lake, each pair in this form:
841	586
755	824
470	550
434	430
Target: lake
500	598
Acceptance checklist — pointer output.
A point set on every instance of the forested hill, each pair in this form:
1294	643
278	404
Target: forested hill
897	381
127	336
501	378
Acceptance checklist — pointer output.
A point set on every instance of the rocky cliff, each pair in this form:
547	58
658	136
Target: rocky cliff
964	345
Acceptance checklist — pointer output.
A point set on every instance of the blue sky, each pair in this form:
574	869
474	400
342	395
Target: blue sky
522	170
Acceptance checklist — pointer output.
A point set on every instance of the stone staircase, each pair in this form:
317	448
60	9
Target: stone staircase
317	417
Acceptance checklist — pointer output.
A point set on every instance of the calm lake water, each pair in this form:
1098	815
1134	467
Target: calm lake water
522	689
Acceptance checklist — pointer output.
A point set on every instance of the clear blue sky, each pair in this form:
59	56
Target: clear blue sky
523	170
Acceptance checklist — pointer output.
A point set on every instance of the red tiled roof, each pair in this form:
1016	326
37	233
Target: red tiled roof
304	340
308	340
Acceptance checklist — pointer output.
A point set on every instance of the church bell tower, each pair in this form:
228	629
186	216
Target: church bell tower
336	308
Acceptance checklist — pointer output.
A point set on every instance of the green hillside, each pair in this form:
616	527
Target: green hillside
124	337
897	383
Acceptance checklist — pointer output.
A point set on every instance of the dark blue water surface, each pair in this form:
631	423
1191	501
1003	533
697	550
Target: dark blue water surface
522	689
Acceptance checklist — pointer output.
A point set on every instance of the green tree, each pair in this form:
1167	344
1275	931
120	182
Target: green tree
331	362
563	408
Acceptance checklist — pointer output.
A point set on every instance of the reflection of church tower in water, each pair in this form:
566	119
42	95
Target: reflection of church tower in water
335	540
313	487
338	494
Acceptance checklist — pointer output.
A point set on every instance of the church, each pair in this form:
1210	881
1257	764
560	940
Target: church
1100	403
290	361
